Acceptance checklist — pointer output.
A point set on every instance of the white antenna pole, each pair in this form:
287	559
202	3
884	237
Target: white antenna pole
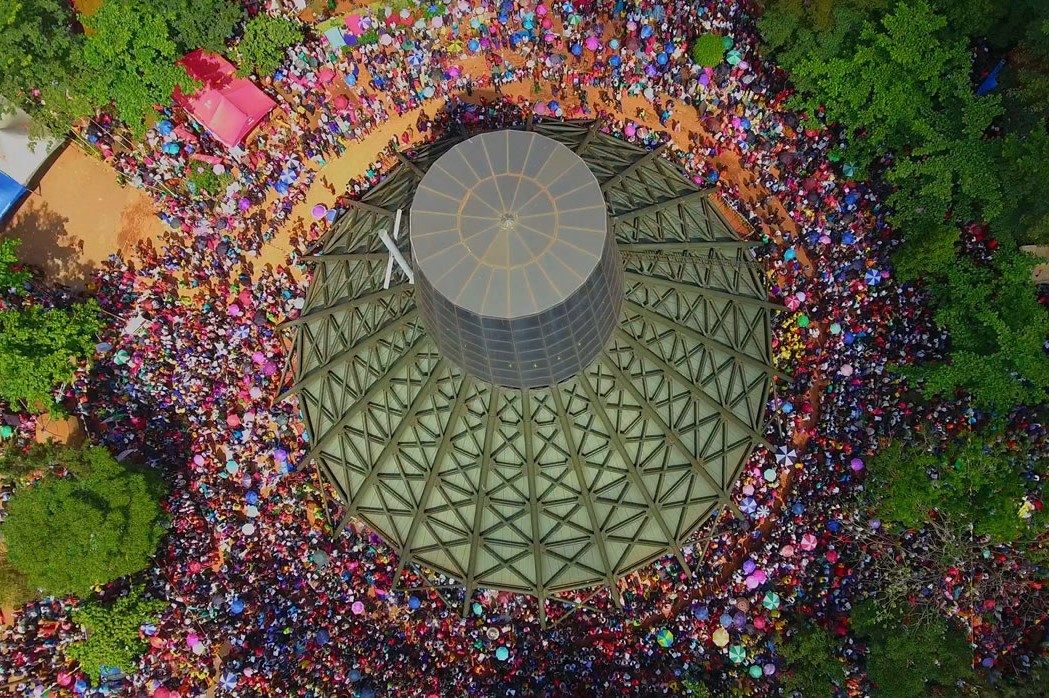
395	254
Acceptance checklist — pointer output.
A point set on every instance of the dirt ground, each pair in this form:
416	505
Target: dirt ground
77	216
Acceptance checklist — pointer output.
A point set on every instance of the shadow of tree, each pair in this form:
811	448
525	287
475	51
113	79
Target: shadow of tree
47	244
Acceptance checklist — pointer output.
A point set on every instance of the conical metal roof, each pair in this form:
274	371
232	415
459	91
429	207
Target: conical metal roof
541	490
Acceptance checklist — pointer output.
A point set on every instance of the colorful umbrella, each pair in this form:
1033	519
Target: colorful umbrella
737	654
808	542
785	455
720	637
664	637
771	601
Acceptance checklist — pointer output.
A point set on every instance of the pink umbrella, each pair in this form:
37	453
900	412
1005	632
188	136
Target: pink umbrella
846	370
541	10
591	43
341	102
787	551
326	75
630	129
244	204
792	302
357	608
541	108
353	23
808	542
319	210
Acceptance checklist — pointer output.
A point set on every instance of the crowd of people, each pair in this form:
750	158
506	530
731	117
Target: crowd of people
266	598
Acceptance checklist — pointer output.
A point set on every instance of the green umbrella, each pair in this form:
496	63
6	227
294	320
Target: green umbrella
726	42
771	601
734	56
754	671
664	637
737	654
803	321
6	432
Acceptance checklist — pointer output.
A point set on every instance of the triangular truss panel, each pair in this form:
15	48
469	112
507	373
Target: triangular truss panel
554	490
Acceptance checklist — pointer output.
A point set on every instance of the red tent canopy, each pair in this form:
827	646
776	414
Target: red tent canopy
228	106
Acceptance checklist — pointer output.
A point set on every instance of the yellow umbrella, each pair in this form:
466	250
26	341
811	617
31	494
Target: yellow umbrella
720	637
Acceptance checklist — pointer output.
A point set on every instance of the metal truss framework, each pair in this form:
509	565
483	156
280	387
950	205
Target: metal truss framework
552	490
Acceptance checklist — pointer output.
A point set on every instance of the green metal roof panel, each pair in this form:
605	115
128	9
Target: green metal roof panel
554	488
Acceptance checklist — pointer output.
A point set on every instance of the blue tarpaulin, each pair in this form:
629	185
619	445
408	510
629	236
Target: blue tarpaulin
11	192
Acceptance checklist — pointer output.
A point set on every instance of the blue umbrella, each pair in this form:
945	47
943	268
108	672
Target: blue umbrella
228	681
323	637
236	607
354	676
701	613
872	277
171	148
662	58
252	497
165	127
646	31
473	45
748	505
577	49
614	61
413	602
848	239
725	620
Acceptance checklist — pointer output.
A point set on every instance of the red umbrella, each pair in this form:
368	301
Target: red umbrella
341	102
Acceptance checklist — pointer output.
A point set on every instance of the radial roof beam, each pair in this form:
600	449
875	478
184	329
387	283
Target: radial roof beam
701	291
597	534
661	205
410	164
686	246
708	342
591	132
598	406
629	169
348	257
417	347
674	438
479	499
378	210
531	470
348	304
696	391
439	460
349	352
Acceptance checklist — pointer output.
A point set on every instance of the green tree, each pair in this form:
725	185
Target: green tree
909	660
131	57
39	350
40	51
1025	177
261	49
813	668
975	483
708	50
113	637
997	332
71	532
205	24
14	589
12	275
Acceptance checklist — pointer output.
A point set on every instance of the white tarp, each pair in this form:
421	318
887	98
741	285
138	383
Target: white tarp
18	159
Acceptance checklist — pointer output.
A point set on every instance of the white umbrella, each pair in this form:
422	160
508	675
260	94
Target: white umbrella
785	455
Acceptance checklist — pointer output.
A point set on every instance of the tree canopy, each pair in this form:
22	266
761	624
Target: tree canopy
39	350
88	521
113	638
261	49
206	24
131	57
708	50
978	482
12	275
909	660
812	665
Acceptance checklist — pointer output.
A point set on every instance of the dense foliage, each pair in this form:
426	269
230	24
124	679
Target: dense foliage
708	50
896	77
39	350
114	640
12	275
87	521
812	666
910	660
265	37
